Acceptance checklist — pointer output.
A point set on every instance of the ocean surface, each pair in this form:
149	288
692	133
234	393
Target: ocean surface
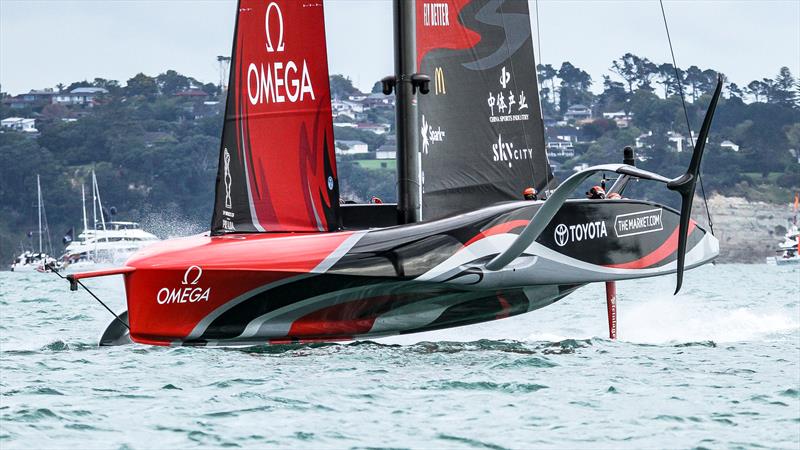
717	366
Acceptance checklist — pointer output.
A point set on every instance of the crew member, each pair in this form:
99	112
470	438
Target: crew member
375	201
530	194
613	196
596	193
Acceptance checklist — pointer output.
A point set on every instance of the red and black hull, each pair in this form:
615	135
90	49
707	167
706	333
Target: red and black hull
293	287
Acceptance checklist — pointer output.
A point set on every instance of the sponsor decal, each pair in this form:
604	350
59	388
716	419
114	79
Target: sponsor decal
439	84
330	183
190	292
565	234
505	152
227	214
277	81
638	223
507	105
228	179
429	135
436	14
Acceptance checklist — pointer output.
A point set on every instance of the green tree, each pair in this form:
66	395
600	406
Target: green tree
695	79
783	88
574	88
171	82
142	85
342	87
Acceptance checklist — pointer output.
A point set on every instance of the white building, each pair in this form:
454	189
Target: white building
350	147
79	96
20	124
377	128
619	117
386	154
729	145
578	112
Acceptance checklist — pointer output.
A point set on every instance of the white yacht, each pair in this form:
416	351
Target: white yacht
107	241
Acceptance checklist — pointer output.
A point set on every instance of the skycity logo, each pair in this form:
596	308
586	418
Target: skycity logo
565	234
278	81
505	151
189	293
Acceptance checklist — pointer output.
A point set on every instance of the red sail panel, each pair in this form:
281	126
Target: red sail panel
277	169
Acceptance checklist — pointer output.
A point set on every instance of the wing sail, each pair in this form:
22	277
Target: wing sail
277	169
481	129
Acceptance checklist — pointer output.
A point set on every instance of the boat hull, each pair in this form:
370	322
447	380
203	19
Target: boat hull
275	288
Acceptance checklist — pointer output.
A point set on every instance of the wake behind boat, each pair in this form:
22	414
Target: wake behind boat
285	262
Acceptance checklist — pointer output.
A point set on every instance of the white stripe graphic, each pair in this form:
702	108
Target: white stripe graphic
340	251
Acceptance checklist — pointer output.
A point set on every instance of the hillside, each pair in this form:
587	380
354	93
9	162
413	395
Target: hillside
154	143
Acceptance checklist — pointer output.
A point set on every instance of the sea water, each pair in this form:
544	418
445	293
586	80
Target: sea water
717	366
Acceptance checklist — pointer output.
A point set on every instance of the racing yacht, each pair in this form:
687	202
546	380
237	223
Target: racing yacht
284	262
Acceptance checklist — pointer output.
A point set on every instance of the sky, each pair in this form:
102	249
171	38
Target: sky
46	42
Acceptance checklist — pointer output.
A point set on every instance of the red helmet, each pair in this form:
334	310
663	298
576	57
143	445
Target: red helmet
376	200
614	196
530	193
596	192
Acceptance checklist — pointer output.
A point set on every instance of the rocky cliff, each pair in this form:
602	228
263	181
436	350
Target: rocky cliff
747	231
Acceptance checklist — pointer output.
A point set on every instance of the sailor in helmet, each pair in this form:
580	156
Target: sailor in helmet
530	194
596	193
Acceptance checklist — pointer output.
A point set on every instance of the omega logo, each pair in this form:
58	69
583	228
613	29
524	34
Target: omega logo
190	293
187	275
277	10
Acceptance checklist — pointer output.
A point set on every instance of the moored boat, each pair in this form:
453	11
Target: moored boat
41	261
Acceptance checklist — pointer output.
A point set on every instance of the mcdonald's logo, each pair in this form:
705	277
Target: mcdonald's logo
439	85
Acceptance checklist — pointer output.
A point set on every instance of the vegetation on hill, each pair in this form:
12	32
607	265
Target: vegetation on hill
155	148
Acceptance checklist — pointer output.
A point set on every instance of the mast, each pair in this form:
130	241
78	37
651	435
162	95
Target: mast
83	203
94	201
99	202
39	205
408	159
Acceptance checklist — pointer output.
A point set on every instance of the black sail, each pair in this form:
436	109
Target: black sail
481	130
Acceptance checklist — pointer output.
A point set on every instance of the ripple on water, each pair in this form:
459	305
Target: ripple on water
469	442
509	388
522	363
793	393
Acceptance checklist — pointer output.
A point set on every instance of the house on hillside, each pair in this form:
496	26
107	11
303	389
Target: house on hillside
389	148
193	94
577	113
345	147
79	96
377	128
622	119
729	145
20	124
32	99
560	149
379	101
